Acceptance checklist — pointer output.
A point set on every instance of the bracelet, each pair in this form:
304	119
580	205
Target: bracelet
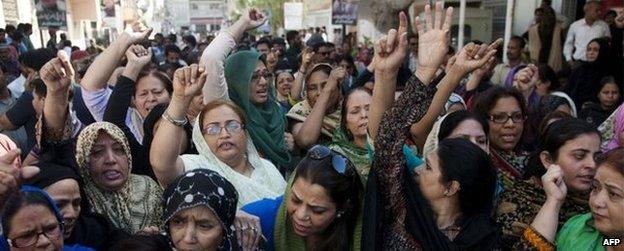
536	240
175	122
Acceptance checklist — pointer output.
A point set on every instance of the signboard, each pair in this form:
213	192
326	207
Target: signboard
180	12
293	16
51	13
109	13
344	12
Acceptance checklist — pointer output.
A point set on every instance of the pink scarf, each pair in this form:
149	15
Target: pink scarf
618	128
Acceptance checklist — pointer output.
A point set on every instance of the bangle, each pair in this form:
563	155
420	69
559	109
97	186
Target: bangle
536	240
175	122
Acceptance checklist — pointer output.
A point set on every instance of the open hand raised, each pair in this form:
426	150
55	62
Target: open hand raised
474	56
433	40
57	74
188	82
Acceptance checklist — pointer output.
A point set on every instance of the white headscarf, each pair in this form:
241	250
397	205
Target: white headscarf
265	181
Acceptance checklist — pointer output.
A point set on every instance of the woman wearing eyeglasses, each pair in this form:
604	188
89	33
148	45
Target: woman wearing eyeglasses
572	145
320	209
31	221
506	112
244	78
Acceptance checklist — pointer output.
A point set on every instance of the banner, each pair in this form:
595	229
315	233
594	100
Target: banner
344	12
293	16
51	13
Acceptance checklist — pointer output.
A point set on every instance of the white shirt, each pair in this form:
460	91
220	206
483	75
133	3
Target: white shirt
580	34
17	86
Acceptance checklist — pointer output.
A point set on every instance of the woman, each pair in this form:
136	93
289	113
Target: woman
31	221
315	119
224	146
320	209
587	231
129	201
200	207
506	113
249	87
244	78
283	84
150	88
80	226
608	100
584	82
569	143
458	183
459	124
124	93
398	215
350	138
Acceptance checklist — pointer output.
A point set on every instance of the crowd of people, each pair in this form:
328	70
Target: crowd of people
303	144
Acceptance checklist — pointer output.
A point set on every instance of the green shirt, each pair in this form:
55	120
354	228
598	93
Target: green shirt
578	233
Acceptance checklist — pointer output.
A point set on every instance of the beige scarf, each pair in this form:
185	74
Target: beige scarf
555	57
137	204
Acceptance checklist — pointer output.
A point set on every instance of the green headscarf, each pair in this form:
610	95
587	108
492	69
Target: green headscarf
358	156
266	122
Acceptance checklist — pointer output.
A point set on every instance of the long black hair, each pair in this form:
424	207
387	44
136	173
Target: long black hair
346	190
556	135
468	164
453	120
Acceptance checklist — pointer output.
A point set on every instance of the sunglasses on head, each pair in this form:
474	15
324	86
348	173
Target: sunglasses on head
340	163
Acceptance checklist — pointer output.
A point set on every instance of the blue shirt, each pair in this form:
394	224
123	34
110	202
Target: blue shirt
266	210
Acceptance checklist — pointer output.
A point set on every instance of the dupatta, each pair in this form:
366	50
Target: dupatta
265	181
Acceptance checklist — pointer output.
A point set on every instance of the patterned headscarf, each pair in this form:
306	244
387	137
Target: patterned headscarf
203	187
134	206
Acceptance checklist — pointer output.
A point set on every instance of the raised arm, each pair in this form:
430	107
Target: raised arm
166	164
547	219
411	107
297	87
116	112
213	57
57	75
307	133
386	67
103	66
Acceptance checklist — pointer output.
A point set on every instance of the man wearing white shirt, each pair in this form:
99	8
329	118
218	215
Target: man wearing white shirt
583	31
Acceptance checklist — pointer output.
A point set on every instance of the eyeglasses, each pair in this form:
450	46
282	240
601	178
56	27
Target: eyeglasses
51	232
502	118
258	74
231	127
339	162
